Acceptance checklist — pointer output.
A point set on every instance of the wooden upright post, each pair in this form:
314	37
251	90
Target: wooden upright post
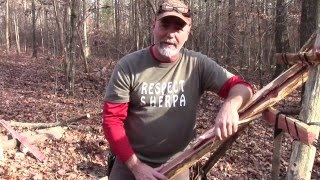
302	157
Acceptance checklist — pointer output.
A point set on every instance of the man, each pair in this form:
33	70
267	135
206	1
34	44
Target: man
152	97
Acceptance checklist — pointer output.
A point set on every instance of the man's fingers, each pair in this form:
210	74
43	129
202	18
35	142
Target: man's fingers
235	127
218	133
230	129
159	168
224	131
160	176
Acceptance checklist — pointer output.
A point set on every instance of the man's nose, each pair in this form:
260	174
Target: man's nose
171	32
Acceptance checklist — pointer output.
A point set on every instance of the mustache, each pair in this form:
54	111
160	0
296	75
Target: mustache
169	41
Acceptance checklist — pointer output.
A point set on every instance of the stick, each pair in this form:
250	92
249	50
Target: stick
48	125
23	141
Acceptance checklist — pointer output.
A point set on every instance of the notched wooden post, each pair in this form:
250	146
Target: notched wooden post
302	157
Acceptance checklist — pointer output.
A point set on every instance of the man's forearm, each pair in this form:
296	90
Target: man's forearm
239	95
132	162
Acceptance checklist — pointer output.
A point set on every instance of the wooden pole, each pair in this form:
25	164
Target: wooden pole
302	157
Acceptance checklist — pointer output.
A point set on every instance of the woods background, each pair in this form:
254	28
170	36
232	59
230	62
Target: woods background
243	34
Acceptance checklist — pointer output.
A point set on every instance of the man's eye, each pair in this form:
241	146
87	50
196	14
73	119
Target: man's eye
165	25
178	27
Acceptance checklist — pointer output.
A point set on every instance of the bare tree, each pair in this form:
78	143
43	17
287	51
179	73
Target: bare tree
34	39
308	20
25	24
16	30
73	32
308	24
62	44
231	31
85	29
281	34
7	28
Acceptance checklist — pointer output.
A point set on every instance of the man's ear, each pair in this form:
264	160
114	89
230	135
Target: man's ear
189	32
153	24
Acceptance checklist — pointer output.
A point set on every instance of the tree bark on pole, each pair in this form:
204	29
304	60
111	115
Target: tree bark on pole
302	157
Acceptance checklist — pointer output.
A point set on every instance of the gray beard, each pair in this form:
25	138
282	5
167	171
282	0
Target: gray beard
168	52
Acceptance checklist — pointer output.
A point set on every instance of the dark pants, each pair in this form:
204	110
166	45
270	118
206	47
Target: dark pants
121	172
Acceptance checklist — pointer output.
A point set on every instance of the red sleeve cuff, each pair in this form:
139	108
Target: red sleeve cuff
224	91
114	115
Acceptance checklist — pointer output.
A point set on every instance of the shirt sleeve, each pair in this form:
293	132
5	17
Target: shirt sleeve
212	75
118	88
224	90
114	115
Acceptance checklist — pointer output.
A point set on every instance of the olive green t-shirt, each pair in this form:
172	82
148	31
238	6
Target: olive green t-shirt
163	99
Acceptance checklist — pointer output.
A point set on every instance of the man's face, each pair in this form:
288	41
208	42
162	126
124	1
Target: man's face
170	33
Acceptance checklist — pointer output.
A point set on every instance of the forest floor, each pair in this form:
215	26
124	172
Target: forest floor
32	91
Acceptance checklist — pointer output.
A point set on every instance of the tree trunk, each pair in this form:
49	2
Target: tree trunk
117	22
62	43
231	32
308	20
46	11
16	30
302	157
41	28
60	29
281	34
97	15
85	50
34	42
73	33
308	24
85	31
25	24
7	28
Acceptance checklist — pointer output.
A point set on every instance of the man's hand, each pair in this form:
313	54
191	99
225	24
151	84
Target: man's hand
142	171
226	122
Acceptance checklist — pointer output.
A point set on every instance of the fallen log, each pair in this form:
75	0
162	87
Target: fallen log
48	125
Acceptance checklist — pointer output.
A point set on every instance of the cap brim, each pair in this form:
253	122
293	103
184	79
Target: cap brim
173	13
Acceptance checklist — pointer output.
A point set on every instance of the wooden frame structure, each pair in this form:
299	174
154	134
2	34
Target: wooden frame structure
261	102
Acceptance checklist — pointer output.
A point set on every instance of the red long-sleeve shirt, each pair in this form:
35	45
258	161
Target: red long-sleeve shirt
114	115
